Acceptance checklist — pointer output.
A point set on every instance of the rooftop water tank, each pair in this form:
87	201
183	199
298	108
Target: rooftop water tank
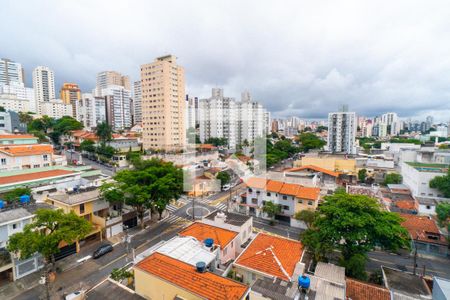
201	267
304	282
24	199
209	242
2	204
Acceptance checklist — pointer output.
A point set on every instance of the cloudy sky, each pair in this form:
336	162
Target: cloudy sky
301	58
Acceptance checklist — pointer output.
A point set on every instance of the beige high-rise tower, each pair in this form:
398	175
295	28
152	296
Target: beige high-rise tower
163	104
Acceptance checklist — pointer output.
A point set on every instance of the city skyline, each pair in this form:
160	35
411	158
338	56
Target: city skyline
355	57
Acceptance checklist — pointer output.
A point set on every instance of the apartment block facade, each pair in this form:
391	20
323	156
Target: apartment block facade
342	132
118	107
44	86
10	72
91	110
106	78
70	94
137	102
163	104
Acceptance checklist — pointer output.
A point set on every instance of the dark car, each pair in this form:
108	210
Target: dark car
102	250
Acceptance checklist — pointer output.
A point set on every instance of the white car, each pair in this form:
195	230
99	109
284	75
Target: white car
226	187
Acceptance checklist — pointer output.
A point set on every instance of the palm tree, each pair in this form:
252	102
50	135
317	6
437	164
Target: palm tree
104	132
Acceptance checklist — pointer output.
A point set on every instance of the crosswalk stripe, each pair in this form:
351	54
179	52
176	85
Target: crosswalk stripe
171	218
171	208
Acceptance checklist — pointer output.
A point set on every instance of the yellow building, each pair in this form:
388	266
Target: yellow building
70	94
331	163
162	277
163	104
86	204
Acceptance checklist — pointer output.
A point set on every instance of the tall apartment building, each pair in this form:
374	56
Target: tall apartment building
342	132
70	93
251	121
118	106
218	118
236	121
44	86
91	110
392	122
137	102
17	97
10	72
163	104
192	114
106	78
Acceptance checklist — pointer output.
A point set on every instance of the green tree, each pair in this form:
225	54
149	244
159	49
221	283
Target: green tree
104	132
309	141
43	124
442	183
44	234
25	117
106	151
354	225
151	185
216	141
224	178
88	146
307	216
120	274
392	178
14	195
362	174
271	209
443	213
2	109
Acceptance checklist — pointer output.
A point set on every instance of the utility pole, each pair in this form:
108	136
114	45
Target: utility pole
126	241
415	257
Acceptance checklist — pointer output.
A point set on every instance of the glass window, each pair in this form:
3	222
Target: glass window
82	208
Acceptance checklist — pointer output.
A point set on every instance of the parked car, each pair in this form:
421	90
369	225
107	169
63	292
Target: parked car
226	187
102	250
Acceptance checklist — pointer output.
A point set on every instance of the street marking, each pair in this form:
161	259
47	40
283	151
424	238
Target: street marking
113	261
83	259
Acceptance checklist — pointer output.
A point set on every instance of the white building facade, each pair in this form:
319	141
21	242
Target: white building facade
342	132
55	108
44	86
91	110
118	107
137	102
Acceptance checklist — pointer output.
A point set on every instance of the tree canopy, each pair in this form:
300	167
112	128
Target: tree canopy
354	225
443	213
104	132
392	178
47	230
216	141
14	195
309	141
224	178
362	174
442	183
151	185
271	209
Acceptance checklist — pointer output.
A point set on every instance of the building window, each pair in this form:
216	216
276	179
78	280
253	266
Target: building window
14	226
82	208
284	197
300	201
268	194
45	157
285	207
254	201
3	161
250	190
310	203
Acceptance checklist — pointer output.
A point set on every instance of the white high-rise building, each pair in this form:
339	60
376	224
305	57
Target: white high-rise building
44	86
10	72
118	106
224	117
218	118
342	132
137	102
192	112
91	110
392	121
251	123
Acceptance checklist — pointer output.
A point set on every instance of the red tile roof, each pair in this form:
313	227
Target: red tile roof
405	204
357	290
421	227
314	168
26	150
272	255
17	136
33	176
291	189
201	232
206	285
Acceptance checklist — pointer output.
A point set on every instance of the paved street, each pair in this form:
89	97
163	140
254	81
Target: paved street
433	265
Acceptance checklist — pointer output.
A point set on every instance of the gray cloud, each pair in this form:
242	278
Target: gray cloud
297	57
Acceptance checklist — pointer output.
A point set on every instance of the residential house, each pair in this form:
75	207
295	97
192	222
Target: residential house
13	220
359	290
292	198
425	235
319	177
17	139
270	257
228	241
18	157
162	277
239	223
